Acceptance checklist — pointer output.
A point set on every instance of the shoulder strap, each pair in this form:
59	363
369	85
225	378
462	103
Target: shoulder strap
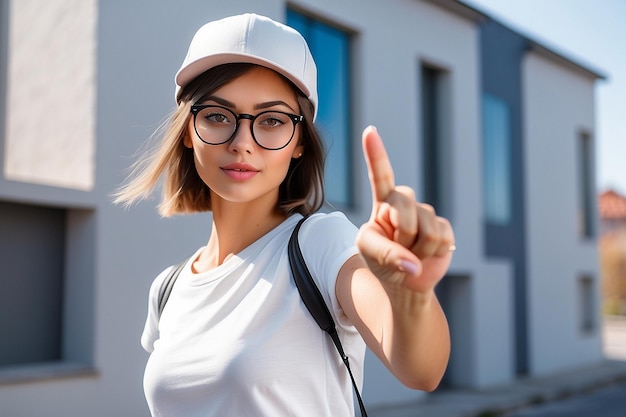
168	284
314	302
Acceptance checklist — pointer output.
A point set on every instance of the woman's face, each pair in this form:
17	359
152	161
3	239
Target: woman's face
241	171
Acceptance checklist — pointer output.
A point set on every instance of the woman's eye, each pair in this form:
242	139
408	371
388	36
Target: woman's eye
217	118
273	121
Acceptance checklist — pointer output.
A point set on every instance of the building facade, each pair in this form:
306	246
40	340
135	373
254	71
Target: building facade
492	128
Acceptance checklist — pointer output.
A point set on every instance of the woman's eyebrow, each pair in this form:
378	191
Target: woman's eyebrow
223	102
269	104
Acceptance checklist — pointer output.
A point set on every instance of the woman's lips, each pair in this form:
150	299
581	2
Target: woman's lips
240	171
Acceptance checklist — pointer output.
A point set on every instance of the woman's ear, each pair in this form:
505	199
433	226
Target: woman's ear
187	141
297	152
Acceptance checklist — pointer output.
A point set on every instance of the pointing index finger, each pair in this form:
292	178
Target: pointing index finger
379	167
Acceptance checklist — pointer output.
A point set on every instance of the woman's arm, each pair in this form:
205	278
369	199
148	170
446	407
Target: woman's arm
407	330
388	291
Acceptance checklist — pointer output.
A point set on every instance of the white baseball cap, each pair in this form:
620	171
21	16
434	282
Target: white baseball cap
254	39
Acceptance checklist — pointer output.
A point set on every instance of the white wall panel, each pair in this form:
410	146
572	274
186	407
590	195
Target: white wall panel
51	93
558	106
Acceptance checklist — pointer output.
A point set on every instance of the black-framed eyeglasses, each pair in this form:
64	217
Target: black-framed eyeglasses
270	129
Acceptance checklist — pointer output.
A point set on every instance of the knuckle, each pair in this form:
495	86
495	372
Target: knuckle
406	191
430	236
401	200
444	221
446	228
427	207
385	256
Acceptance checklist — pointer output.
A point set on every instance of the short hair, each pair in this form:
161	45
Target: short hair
183	191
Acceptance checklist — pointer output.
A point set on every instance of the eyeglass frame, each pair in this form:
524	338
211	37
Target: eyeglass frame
295	119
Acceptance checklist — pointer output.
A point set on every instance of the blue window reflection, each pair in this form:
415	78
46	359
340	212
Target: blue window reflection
496	160
330	49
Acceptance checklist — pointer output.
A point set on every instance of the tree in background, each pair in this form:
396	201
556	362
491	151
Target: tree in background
612	210
613	271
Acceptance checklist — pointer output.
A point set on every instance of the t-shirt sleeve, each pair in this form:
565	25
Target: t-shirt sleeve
151	328
327	241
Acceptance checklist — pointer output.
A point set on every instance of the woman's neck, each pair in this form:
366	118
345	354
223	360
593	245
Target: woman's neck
235	227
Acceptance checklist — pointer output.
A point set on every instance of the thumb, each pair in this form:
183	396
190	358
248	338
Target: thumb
384	256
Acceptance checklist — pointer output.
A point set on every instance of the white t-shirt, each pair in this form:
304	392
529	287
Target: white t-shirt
238	341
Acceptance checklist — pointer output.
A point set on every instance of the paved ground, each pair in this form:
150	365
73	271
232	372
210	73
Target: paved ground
609	401
606	401
580	389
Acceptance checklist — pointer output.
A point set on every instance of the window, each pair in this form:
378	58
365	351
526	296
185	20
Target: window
586	304
454	292
46	302
586	190
496	161
331	50
434	143
31	300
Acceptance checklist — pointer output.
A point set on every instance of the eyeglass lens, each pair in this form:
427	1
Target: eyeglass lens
270	129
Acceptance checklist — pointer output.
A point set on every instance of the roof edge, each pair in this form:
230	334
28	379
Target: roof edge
562	60
462	9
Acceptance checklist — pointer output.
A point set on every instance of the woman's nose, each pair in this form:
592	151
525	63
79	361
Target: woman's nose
242	140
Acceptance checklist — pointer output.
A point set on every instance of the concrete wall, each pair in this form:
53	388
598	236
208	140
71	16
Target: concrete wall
558	107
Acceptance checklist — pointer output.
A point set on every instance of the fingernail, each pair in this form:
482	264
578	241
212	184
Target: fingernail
408	267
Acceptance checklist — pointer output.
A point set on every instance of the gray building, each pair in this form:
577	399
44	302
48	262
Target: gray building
494	129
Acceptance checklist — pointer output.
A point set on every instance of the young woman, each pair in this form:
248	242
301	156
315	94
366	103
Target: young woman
235	338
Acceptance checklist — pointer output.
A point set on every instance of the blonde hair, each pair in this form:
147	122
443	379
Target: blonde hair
183	191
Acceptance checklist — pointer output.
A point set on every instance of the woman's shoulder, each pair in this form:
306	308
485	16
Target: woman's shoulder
328	220
327	227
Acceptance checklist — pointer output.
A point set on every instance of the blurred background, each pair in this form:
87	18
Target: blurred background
590	32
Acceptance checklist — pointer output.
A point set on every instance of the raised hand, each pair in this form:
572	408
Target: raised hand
404	242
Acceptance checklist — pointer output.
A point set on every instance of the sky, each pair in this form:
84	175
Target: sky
593	34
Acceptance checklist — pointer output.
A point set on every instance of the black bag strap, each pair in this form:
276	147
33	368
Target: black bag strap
309	293
314	302
168	284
